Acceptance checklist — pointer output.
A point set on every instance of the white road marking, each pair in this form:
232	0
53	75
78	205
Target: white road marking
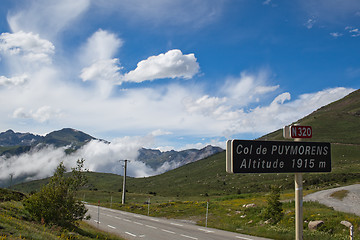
245	238
118	218
133	235
138	223
151	226
188	236
153	219
126	220
205	230
111	227
176	224
97	221
164	230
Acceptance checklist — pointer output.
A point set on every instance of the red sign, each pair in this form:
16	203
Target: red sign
300	131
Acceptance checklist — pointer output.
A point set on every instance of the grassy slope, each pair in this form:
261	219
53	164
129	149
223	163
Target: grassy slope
16	223
338	122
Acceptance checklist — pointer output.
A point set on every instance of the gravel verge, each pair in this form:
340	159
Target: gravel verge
350	204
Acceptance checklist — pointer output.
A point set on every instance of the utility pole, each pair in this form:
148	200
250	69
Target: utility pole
124	182
11	178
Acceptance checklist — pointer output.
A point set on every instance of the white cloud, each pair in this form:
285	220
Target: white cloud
99	157
42	114
172	64
205	105
102	70
13	81
282	111
248	88
336	34
39	163
102	45
98	52
160	132
334	12
28	46
354	32
310	23
190	13
47	17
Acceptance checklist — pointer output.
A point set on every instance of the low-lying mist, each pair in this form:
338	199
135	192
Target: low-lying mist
99	156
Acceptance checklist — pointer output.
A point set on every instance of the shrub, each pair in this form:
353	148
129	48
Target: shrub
55	203
273	211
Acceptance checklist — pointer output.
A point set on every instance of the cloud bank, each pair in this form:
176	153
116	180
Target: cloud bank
99	156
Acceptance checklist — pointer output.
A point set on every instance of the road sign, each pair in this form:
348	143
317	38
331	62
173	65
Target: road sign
301	131
248	156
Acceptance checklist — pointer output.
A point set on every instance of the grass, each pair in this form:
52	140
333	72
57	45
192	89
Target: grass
340	195
230	213
16	223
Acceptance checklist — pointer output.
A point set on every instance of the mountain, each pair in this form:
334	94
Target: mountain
10	138
67	136
156	158
15	143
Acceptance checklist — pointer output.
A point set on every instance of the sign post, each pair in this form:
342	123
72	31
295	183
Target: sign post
298	202
297	157
298	132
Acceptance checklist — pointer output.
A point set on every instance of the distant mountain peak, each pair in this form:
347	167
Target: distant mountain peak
12	138
156	158
60	138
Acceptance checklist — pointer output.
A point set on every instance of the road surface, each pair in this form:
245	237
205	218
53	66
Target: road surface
135	226
350	204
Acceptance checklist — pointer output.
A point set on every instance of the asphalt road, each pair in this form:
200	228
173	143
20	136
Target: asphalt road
134	226
350	204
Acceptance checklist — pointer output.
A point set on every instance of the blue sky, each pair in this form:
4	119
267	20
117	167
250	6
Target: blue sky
173	74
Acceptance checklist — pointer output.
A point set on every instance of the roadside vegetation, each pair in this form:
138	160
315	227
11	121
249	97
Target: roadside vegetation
244	213
16	223
52	213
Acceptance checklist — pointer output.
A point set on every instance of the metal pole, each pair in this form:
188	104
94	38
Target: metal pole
124	182
98	221
298	203
149	207
111	201
298	206
351	232
207	212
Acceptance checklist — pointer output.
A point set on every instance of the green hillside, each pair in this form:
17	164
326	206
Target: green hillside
338	122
